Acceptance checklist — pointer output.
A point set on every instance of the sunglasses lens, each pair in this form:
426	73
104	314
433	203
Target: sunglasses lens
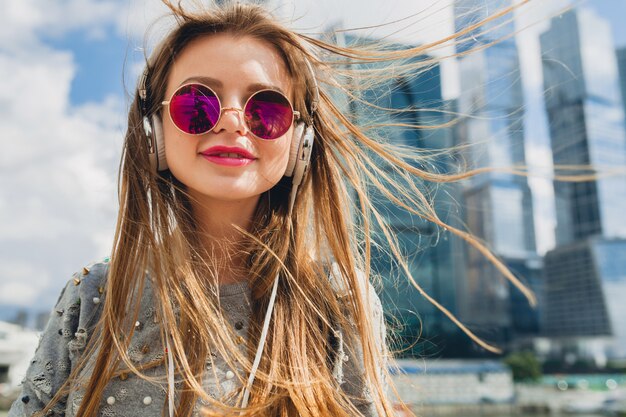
195	109
268	114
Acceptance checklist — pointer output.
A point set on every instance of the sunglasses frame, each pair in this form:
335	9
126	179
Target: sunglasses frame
295	113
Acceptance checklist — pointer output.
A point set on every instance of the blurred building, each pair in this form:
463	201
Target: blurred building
584	274
498	205
17	346
586	292
586	118
446	382
20	318
435	258
471	12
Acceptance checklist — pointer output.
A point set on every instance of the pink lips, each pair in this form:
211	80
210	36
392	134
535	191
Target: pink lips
227	155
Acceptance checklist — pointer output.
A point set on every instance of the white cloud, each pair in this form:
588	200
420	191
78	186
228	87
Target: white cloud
46	142
59	162
22	22
140	15
23	284
430	20
412	21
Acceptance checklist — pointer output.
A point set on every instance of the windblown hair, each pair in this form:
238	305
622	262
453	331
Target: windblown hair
156	232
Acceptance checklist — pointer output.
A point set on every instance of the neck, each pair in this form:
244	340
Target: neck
221	242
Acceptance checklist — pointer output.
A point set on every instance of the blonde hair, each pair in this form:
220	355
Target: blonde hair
326	227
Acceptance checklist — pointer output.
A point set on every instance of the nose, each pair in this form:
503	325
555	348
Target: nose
232	120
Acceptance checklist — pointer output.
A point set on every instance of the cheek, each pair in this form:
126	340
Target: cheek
277	159
178	147
281	158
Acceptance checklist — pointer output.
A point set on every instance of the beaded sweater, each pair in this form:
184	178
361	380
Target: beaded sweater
75	315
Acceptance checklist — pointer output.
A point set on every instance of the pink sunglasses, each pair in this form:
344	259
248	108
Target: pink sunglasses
195	109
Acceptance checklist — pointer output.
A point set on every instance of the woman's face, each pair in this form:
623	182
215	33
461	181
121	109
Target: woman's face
234	68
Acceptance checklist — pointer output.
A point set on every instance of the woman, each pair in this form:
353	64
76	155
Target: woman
238	282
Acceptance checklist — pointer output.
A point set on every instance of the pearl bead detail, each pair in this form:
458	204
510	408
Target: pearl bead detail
111	400
147	400
137	323
96	300
230	375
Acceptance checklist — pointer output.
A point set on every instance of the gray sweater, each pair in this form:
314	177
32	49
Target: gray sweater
77	311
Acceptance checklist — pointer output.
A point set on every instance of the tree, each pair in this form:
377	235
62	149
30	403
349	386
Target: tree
524	365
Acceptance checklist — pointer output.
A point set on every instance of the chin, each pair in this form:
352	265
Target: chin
226	194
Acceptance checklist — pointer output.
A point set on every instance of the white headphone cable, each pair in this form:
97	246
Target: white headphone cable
170	377
255	364
259	350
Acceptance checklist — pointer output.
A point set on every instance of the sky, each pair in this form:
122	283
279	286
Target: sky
67	68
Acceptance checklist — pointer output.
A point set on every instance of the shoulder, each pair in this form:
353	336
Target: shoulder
366	289
86	286
78	305
76	312
368	297
349	366
92	274
64	339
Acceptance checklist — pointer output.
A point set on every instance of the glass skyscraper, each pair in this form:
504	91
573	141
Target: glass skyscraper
436	259
585	274
586	116
585	312
498	205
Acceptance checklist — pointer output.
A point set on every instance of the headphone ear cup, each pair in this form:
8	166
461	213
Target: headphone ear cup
298	134
159	144
302	159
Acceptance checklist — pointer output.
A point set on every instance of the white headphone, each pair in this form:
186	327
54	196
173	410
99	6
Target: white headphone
297	167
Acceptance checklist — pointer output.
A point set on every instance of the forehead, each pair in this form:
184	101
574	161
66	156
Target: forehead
237	64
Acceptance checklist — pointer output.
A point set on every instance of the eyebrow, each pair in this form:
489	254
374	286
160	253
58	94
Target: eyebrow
215	83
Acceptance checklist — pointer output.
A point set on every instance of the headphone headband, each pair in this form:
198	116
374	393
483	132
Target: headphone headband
316	95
